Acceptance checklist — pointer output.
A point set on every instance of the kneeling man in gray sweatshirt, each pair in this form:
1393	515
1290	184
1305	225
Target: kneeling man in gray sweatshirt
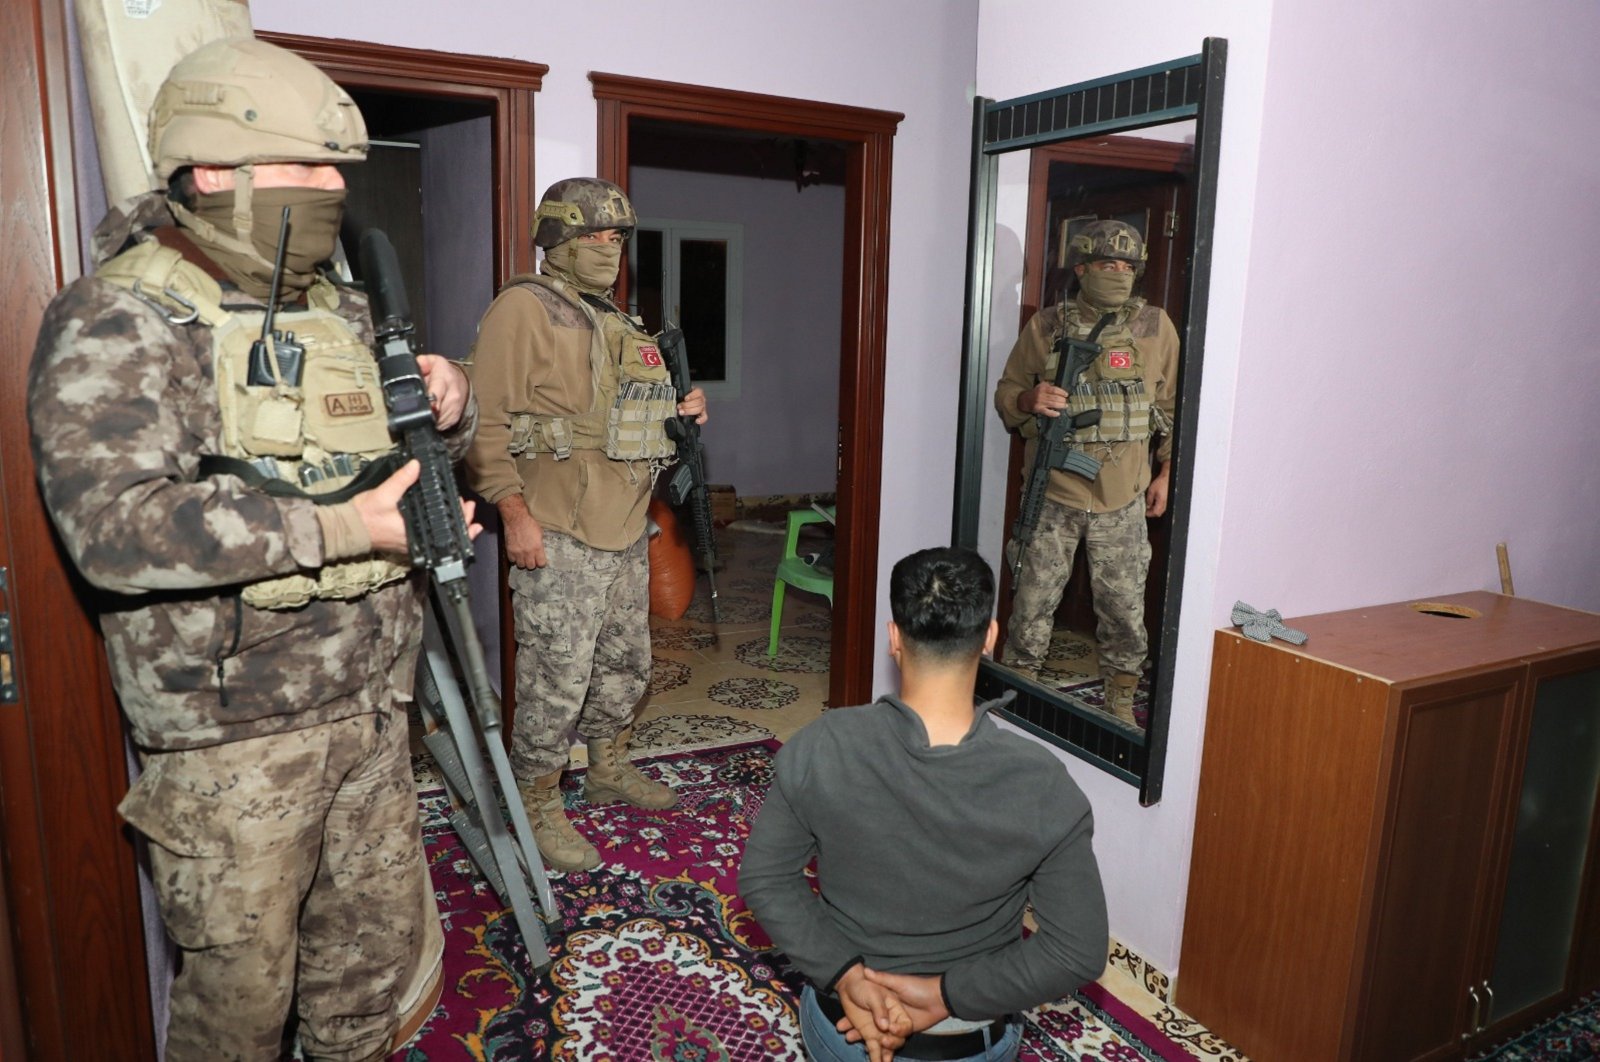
932	828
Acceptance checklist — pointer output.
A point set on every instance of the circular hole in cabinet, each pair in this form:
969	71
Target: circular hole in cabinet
1435	608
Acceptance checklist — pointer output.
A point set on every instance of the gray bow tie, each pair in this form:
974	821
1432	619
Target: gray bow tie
1265	626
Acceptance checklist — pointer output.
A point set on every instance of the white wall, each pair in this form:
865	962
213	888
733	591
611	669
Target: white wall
781	435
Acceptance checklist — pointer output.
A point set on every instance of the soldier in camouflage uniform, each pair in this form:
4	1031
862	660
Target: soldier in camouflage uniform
262	644
1133	383
575	398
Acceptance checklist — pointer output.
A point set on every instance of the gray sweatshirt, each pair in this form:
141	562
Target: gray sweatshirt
926	858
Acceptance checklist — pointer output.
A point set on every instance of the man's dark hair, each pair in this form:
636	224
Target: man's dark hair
941	600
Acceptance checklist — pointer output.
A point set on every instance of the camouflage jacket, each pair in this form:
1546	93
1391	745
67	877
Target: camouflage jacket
122	404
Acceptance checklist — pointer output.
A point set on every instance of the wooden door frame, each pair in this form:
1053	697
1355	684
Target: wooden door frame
75	945
868	136
1120	152
507	86
73	976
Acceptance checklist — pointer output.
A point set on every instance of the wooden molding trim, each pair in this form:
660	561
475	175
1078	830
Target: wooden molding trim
507	86
645	97
1125	152
869	139
472	73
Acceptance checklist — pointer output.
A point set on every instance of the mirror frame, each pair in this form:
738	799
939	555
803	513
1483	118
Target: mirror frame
1184	88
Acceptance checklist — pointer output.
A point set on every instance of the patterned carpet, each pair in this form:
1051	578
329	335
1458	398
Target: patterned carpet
1091	694
715	684
1571	1036
655	957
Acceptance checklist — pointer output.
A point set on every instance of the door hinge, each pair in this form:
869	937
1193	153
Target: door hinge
8	671
1172	224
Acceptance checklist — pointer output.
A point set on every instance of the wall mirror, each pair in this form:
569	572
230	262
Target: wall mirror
1140	147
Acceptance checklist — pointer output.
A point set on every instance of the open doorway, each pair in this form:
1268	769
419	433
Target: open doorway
459	228
630	105
740	242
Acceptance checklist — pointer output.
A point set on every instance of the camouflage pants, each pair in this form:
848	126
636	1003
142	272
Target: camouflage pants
287	867
1119	560
583	648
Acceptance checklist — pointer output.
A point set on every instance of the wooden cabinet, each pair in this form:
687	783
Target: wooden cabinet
1395	833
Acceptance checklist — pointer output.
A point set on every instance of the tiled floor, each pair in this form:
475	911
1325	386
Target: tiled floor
715	684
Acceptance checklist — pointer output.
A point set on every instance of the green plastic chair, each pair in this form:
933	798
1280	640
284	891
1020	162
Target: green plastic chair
794	571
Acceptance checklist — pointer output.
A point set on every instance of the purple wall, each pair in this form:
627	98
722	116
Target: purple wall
1419	360
1397	372
781	435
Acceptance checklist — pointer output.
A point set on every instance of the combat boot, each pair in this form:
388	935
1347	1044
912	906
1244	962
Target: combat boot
1119	689
612	777
561	845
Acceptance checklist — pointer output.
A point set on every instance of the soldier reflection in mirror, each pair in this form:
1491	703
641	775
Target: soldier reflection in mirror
1132	383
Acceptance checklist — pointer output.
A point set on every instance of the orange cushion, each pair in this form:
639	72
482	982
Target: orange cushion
671	564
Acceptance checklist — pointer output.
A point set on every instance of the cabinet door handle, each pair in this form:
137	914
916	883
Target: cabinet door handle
1477	1010
1488	1014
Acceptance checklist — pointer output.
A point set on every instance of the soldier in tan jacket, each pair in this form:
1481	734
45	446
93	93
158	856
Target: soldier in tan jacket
575	397
1133	382
263	645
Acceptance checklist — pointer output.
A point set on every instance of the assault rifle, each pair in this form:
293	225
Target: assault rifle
436	533
688	482
1054	448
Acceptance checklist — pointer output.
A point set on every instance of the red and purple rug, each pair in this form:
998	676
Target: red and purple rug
655	956
1571	1036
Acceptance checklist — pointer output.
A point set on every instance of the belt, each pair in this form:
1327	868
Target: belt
927	1047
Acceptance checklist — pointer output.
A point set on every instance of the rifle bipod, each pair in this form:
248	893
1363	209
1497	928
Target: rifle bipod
508	859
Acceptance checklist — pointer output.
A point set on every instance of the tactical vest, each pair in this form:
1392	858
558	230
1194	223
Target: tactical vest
632	386
309	438
1113	383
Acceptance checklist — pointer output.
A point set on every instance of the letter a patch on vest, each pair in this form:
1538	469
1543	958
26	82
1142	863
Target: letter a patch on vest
650	355
348	404
1119	359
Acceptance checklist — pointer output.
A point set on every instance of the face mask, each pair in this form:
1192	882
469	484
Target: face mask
1106	289
314	216
593	267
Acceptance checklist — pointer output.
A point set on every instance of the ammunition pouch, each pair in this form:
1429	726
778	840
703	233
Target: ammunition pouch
1113	384
309	434
633	394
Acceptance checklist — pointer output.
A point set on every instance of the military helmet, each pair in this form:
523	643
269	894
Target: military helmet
578	205
1107	239
239	100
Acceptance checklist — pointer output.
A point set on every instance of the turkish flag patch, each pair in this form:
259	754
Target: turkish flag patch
1119	359
650	355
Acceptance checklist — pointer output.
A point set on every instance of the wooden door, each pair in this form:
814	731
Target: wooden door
1543	901
1145	183
1447	793
868	136
72	901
